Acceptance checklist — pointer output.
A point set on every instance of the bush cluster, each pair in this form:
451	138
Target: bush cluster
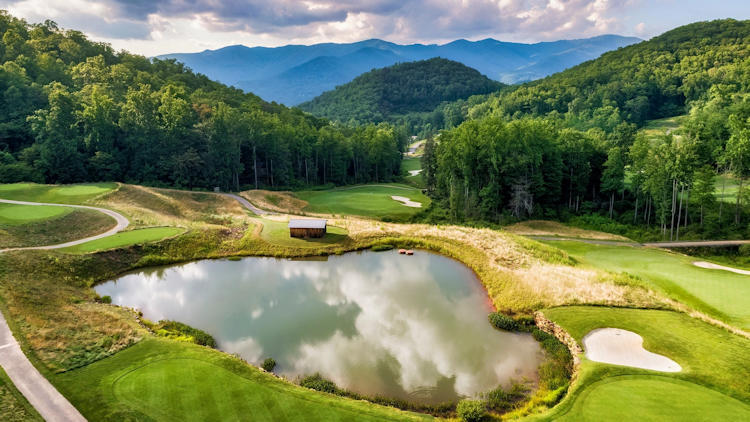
503	322
471	410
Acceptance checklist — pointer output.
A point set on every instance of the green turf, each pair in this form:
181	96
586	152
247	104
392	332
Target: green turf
722	294
13	405
715	375
62	194
366	200
127	238
277	232
12	214
163	380
645	398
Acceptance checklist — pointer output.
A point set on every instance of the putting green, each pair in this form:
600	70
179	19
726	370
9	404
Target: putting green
195	390
13	214
653	398
127	238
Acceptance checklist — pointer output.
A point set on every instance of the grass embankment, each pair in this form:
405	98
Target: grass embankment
713	385
366	201
13	405
126	238
720	294
555	229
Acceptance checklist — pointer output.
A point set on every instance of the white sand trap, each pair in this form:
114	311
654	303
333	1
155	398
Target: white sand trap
622	347
414	172
712	266
406	201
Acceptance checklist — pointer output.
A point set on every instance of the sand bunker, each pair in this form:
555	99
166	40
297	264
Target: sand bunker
622	347
712	266
414	172
406	201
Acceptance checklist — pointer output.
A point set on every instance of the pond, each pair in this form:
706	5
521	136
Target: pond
378	323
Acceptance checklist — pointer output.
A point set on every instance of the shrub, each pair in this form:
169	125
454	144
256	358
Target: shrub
380	248
174	328
502	322
318	383
501	400
471	410
268	364
106	299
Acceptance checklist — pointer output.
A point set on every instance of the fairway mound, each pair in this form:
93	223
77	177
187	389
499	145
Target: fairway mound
712	266
622	347
406	201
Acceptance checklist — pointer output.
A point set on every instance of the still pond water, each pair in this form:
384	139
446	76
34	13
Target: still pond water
378	323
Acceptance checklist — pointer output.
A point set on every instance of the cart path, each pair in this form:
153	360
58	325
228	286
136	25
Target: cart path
50	404
122	223
245	203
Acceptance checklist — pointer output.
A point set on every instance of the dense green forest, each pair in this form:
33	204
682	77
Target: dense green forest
389	93
73	110
569	145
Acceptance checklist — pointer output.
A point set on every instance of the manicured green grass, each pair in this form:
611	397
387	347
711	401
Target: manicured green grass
62	194
366	200
645	398
127	238
662	125
721	294
409	164
163	380
714	383
277	232
13	405
12	214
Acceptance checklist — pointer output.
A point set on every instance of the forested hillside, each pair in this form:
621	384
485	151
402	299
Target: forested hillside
569	144
383	94
293	74
73	110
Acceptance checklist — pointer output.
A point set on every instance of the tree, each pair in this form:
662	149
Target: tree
703	189
737	154
613	177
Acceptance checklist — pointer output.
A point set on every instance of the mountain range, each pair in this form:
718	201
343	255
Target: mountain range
294	74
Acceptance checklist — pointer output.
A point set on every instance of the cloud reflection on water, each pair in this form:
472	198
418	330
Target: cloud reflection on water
377	323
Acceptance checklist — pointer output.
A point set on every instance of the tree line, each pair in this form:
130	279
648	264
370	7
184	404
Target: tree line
73	110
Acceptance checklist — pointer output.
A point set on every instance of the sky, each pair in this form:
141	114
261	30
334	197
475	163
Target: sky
152	27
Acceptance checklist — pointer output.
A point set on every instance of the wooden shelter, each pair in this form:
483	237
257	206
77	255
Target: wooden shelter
307	228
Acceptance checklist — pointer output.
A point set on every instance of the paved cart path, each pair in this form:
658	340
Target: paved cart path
50	404
122	223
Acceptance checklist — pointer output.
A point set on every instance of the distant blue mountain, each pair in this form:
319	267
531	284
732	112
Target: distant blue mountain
293	74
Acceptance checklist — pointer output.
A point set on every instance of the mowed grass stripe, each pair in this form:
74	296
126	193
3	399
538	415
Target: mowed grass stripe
127	238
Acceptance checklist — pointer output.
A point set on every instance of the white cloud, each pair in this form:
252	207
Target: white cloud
158	26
